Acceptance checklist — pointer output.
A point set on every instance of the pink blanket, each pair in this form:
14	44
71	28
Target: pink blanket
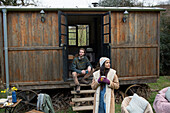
161	104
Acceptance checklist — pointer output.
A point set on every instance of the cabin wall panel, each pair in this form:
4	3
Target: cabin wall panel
135	44
128	66
1	49
26	29
27	66
34	52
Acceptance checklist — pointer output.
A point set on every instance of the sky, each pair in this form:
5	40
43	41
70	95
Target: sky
81	3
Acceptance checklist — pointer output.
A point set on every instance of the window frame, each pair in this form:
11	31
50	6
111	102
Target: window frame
87	33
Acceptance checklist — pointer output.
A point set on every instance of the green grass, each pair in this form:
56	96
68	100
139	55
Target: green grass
163	81
117	108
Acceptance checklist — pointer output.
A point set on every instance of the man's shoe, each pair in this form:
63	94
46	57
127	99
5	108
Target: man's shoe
84	81
78	88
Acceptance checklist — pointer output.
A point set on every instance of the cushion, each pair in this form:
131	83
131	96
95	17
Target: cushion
137	104
167	94
163	91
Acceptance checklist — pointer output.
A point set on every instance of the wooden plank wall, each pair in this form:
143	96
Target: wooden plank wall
34	52
135	44
1	51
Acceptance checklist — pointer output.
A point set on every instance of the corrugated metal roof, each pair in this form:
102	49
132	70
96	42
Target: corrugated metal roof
31	8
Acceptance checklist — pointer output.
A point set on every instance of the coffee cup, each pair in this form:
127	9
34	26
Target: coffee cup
103	76
9	99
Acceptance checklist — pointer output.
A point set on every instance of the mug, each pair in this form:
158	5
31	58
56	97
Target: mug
9	99
102	78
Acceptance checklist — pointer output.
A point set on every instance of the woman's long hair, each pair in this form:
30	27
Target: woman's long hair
103	72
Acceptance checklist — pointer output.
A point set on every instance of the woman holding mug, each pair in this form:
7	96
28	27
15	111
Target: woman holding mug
104	82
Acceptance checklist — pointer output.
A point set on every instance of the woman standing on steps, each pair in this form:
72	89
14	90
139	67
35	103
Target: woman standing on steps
104	82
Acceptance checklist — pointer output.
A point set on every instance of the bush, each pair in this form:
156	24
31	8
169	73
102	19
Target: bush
165	45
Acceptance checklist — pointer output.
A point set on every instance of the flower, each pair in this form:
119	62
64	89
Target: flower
9	90
3	91
14	89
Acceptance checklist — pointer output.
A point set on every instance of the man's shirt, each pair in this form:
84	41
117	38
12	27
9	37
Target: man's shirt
80	64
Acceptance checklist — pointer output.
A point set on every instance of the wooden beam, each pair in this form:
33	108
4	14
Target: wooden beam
82	99
73	84
83	91
34	111
38	87
40	83
135	46
137	81
34	48
82	108
158	50
138	77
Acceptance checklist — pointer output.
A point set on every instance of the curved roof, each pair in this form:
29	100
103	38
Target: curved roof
32	8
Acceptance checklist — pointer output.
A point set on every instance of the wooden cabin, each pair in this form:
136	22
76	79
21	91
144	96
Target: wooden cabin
36	50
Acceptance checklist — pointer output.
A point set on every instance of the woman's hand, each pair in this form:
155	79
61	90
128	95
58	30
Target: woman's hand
100	80
107	81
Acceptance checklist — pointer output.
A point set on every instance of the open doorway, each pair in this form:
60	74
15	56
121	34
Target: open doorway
84	31
89	31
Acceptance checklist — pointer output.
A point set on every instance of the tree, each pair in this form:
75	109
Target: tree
119	3
18	2
165	45
164	2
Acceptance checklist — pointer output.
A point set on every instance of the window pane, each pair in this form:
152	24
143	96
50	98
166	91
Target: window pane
83	35
72	35
72	29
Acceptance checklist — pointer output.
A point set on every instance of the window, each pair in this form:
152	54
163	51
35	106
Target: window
72	35
79	35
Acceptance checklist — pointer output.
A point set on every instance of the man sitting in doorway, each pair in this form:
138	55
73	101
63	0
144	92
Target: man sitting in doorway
81	67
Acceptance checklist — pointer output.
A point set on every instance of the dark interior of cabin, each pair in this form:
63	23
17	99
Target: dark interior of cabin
84	31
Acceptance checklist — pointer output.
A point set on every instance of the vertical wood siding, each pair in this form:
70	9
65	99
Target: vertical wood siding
33	52
1	50
25	29
135	44
26	66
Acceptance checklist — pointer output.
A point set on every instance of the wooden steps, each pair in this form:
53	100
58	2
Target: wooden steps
82	108
83	92
82	101
72	85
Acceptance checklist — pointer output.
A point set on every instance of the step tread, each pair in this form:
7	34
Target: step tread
79	78
81	108
83	91
72	84
82	99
